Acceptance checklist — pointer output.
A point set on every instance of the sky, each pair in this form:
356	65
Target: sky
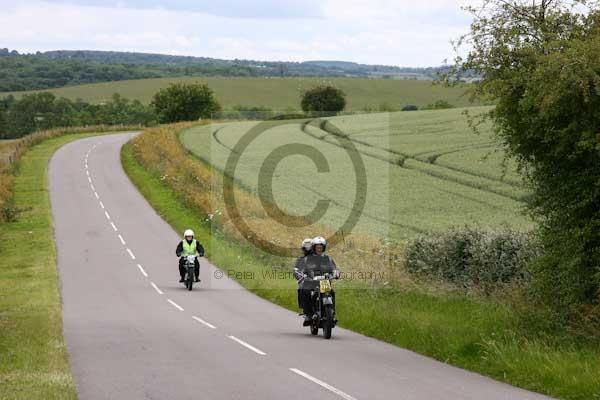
412	33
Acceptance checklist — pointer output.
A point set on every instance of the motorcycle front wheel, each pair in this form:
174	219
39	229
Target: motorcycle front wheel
190	280
328	322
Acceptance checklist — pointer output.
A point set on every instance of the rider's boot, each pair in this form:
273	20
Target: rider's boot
307	320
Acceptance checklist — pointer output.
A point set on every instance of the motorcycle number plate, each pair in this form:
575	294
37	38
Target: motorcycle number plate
325	286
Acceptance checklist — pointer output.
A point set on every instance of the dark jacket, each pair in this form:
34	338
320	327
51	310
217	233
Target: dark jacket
199	248
313	265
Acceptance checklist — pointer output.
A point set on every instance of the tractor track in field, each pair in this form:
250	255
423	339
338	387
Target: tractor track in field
401	162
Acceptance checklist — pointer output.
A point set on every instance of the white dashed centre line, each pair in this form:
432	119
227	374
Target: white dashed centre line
102	204
121	239
87	172
89	179
142	271
203	322
177	306
106	213
343	395
248	346
96	194
131	254
93	187
156	288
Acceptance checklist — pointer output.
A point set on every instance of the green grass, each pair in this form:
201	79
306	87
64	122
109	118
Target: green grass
478	335
276	93
426	170
33	358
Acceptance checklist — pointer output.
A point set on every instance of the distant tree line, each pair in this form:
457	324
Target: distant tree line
55	69
35	72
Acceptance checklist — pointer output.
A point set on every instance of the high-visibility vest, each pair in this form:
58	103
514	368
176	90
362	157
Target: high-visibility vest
189	249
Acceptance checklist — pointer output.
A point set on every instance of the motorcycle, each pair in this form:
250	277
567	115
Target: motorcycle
323	298
189	271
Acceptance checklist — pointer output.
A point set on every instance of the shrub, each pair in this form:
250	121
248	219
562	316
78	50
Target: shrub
240	112
386	107
473	257
410	107
438	105
325	100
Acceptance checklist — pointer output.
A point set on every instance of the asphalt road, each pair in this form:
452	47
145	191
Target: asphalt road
134	332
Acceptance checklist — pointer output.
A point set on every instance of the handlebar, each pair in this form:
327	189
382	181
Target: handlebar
321	277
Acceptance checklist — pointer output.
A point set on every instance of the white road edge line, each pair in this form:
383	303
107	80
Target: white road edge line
131	254
156	287
106	213
177	306
248	346
343	395
113	225
142	270
122	240
102	204
211	326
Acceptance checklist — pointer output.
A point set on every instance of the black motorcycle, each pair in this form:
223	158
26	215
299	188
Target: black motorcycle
323	300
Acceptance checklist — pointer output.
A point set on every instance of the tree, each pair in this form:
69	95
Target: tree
185	102
540	62
323	100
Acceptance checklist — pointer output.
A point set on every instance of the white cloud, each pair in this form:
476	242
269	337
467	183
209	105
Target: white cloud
411	33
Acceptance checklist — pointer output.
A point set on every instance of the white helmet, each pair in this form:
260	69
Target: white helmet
307	244
320	240
188	232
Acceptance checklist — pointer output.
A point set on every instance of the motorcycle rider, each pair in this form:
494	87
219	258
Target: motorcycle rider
189	247
306	250
318	259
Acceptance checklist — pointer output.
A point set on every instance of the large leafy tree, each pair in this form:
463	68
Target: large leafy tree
540	63
323	99
185	102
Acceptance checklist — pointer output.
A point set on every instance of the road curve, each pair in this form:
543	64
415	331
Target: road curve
133	332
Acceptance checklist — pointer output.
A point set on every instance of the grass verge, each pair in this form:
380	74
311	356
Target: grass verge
33	358
482	336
